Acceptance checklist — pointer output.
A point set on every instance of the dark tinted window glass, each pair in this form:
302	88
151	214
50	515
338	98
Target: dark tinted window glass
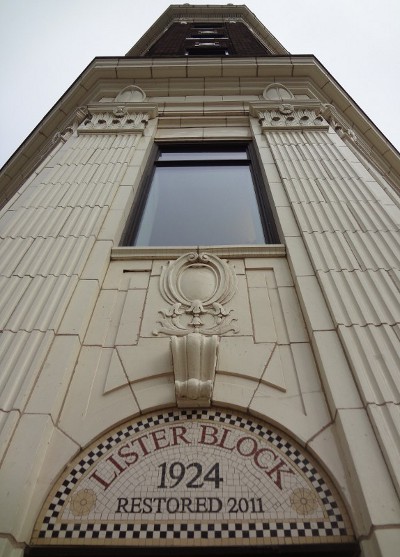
201	206
202	155
195	202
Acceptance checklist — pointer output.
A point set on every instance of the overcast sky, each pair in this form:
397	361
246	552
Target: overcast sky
46	44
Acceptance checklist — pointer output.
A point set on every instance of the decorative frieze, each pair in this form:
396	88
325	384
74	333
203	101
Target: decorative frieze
197	285
289	116
119	120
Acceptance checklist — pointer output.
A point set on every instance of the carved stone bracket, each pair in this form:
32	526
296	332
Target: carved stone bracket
289	116
113	118
78	116
197	286
194	359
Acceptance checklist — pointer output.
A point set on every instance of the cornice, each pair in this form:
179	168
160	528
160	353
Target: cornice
119	72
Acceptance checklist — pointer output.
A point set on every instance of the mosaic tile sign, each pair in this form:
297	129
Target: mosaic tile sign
193	478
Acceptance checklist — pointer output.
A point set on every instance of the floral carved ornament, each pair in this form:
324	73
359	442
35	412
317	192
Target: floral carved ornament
197	287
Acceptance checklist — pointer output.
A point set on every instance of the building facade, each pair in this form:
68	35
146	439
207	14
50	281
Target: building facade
200	275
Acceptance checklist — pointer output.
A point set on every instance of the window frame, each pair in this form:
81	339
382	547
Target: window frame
259	182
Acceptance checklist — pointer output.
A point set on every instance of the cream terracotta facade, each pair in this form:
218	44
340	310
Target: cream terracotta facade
316	344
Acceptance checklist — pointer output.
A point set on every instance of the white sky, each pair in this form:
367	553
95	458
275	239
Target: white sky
46	44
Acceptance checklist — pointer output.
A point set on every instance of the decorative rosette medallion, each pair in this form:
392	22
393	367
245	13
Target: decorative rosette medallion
197	285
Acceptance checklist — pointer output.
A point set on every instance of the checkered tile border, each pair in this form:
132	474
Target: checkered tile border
333	527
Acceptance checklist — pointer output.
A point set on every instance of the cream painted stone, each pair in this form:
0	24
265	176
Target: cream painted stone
113	225
123	198
119	273
179	133
97	262
326	449
158	265
371	484
272	173
298	257
276	270
287	221
262	315
361	297
80	309
282	274
150	357
55	256
287	413
274	374
60	451
21	355
330	251
257	279
7	549
303	190
292	315
104	323
238	266
87	410
278	317
19	474
50	389
137	280
155	303
278	193
385	420
234	132
306	368
86	221
373	354
375	250
116	376
129	323
382	543
312	302
339	386
42	305
233	391
325	217
8	423
12	250
282	367
154	393
241	356
316	407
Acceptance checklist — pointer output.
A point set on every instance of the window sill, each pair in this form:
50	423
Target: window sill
231	252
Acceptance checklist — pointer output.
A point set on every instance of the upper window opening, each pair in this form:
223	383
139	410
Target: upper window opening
202	195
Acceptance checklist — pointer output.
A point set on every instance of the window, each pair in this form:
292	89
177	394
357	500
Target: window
204	194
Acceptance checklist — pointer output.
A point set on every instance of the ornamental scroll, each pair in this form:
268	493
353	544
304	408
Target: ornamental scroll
197	286
193	478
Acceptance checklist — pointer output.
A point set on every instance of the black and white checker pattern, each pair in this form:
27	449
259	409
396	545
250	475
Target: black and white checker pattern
53	530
